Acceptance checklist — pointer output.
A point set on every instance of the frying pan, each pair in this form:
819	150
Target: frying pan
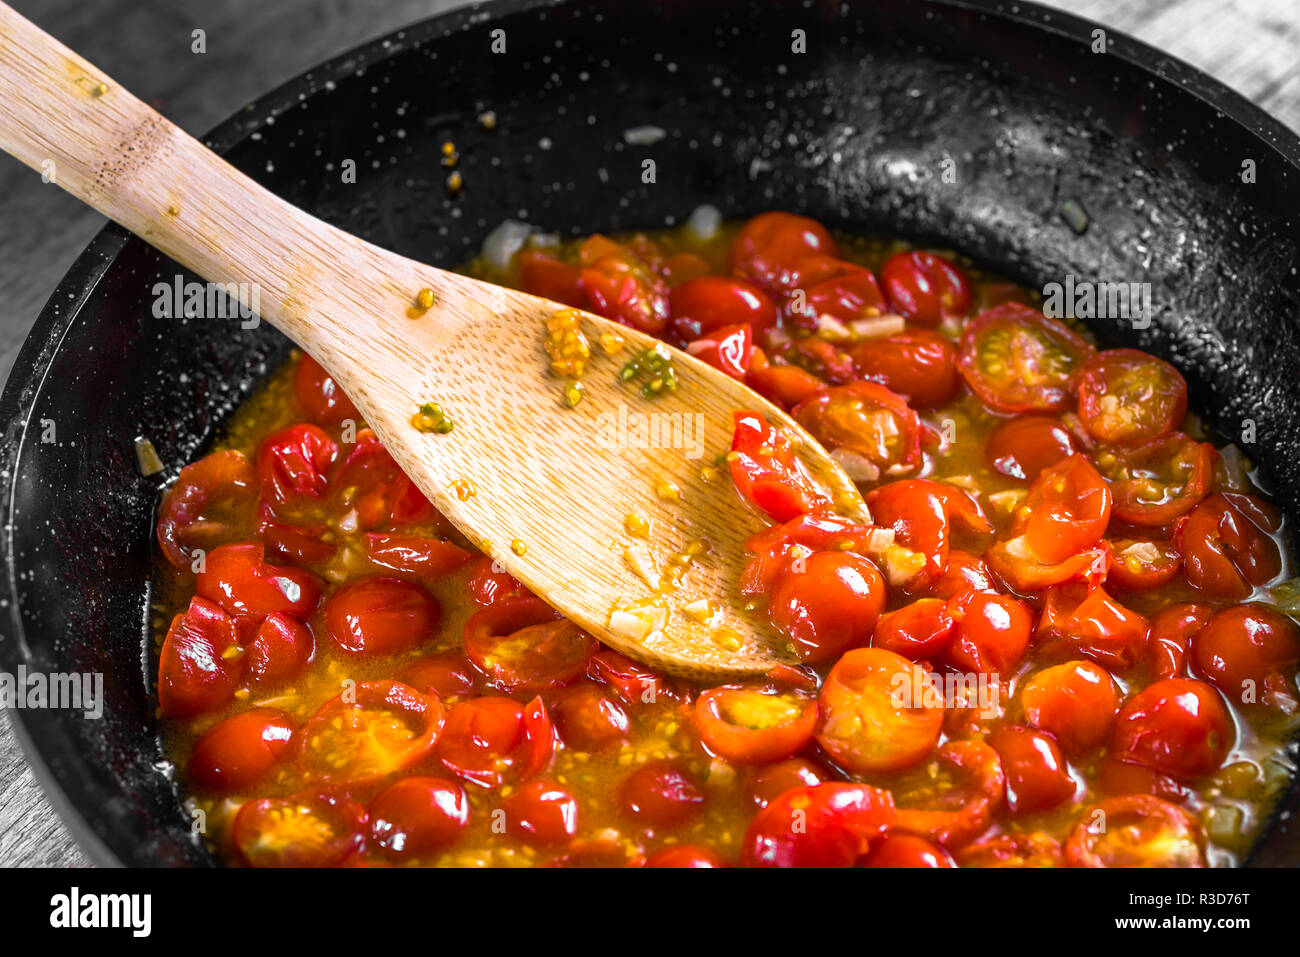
854	132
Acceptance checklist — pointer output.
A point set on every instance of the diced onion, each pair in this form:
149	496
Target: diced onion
500	245
644	135
704	222
855	466
878	327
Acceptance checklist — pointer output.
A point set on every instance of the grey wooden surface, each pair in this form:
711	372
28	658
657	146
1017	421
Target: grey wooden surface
254	45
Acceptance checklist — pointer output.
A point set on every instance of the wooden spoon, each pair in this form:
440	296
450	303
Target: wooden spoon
552	486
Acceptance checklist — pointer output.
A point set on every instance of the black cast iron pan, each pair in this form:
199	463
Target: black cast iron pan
853	132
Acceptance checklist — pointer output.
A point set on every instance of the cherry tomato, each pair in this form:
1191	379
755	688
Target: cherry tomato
907	850
705	305
1067	510
621	285
1134	831
919	364
1015	359
922	514
771	250
660	793
316	829
875	713
418	815
964	572
1177	726
370	487
755	725
319	396
1085	621
239	578
919	631
786	385
831	604
486	584
778	546
925	288
1126	396
590	720
1250	653
767	472
772	780
991	633
295	463
199	667
542	813
1076	702
1143	564
955	806
370	731
1116	776
866	419
1028	849
1013	563
202	509
1024	447
1169	632
415	554
522	644
825	825
632	682
729	349
686	855
448	674
850	294
1227	547
281	651
1157	481
239	752
544	275
311	543
1038	776
484	739
380	616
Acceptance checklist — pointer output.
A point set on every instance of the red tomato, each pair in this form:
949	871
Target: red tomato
370	485
316	829
295	462
925	288
1038	776
1143	564
660	793
755	725
1015	359
766	471
1085	621
1025	447
828	605
825	825
710	303
1168	634
729	349
1013	563
965	572
778	546
522	644
875	714
1135	831
1157	481
313	543
866	419
632	682
1250	653
415	554
921	514
418	815
1116	776
1126	396
589	720
319	396
484	739
1178	726
918	631
686	855
238	753
486	584
281	651
771	781
370	731
202	509
199	666
772	250
621	285
956	806
1030	849
822	358
1076	702
1227	547
542	813
448	674
919	364
239	578
852	293
786	385
1067	510
543	275
991	633
907	850
380	616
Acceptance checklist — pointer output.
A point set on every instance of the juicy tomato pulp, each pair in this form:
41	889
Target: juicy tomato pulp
1052	642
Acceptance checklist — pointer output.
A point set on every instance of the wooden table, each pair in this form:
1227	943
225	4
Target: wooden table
254	45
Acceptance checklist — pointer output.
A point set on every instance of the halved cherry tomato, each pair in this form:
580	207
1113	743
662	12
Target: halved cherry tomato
755	725
448	674
542	813
1015	359
825	825
1066	511
772	780
991	633
239	752
486	584
370	731
1076	702
829	604
1178	726
1027	849
875	712
544	275
907	850
705	305
280	652
964	572
1142	564
1038	776
919	631
622	285
1024	447
1227	545
922	515
769	248
588	719
956	805
729	349
767	472
415	554
1169	632
1084	621
487	738
786	385
851	293
1116	776
776	547
823	359
919	364
316	829
199	666
1250	653
924	287
319	395
522	644
370	484
309	543
1127	395
202	510
380	616
418	815
660	793
866	419
686	855
1135	831
1157	481
295	463
633	682
1013	563
239	578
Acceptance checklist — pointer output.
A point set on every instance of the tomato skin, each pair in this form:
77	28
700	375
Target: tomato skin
660	793
1038	776
632	682
922	514
851	293
964	572
965	811
198	668
1032	849
907	850
769	247
786	385
839	822
370	484
1087	622
1169	632
486	585
484	738
240	579
925	288
622	285
829	606
1171	836
1067	510
542	813
380	616
319	396
543	275
729	349
1178	726
771	781
851	417
351	715
295	463
1140	565
1024	447
686	855
722	715
522	644
1126	396
273	832
1227	547
448	674
767	473
709	303
589	720
777	546
919	631
281	651
1015	359
239	752
418	815
1076	702
222	479
1250	653
1117	777
991	633
1180	467
415	554
918	364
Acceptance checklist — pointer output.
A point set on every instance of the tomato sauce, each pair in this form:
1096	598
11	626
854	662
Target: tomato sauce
1060	641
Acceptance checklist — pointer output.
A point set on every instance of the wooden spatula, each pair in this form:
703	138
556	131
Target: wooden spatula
556	494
